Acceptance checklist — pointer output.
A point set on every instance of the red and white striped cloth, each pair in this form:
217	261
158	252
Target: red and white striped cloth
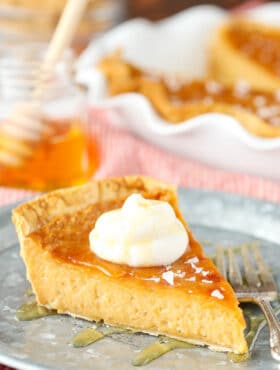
121	153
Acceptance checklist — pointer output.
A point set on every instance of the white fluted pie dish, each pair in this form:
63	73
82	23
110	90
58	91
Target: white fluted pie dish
178	45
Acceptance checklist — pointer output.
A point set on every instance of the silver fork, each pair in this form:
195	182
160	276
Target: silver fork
255	285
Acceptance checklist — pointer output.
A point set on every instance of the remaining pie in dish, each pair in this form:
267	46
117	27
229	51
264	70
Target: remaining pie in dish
188	299
243	49
177	101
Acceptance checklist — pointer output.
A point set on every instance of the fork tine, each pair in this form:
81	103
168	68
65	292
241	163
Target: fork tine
234	274
265	274
249	270
220	260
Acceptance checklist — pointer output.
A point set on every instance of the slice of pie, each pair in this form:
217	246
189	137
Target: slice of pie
247	50
188	299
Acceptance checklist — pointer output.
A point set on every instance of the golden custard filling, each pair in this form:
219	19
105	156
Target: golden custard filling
176	100
258	43
67	239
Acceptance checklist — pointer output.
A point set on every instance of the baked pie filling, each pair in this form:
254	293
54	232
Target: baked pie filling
177	100
262	45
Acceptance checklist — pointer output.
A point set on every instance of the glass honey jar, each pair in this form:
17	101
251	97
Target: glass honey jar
63	153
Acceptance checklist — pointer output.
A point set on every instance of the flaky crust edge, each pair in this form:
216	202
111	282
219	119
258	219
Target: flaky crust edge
32	215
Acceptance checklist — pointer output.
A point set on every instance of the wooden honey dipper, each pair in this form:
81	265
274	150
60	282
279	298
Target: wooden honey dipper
23	128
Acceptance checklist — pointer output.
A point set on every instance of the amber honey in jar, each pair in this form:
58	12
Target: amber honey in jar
65	153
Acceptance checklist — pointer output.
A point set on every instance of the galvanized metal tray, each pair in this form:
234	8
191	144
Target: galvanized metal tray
44	344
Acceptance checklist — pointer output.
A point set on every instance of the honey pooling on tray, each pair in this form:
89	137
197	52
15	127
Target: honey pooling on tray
64	156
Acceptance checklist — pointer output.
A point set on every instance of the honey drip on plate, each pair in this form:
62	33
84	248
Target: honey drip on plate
32	311
157	349
86	337
29	292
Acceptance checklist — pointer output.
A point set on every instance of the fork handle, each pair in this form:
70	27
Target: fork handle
274	327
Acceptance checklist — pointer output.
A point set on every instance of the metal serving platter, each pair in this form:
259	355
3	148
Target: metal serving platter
215	218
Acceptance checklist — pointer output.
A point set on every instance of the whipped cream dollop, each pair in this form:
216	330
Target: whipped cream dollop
142	233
